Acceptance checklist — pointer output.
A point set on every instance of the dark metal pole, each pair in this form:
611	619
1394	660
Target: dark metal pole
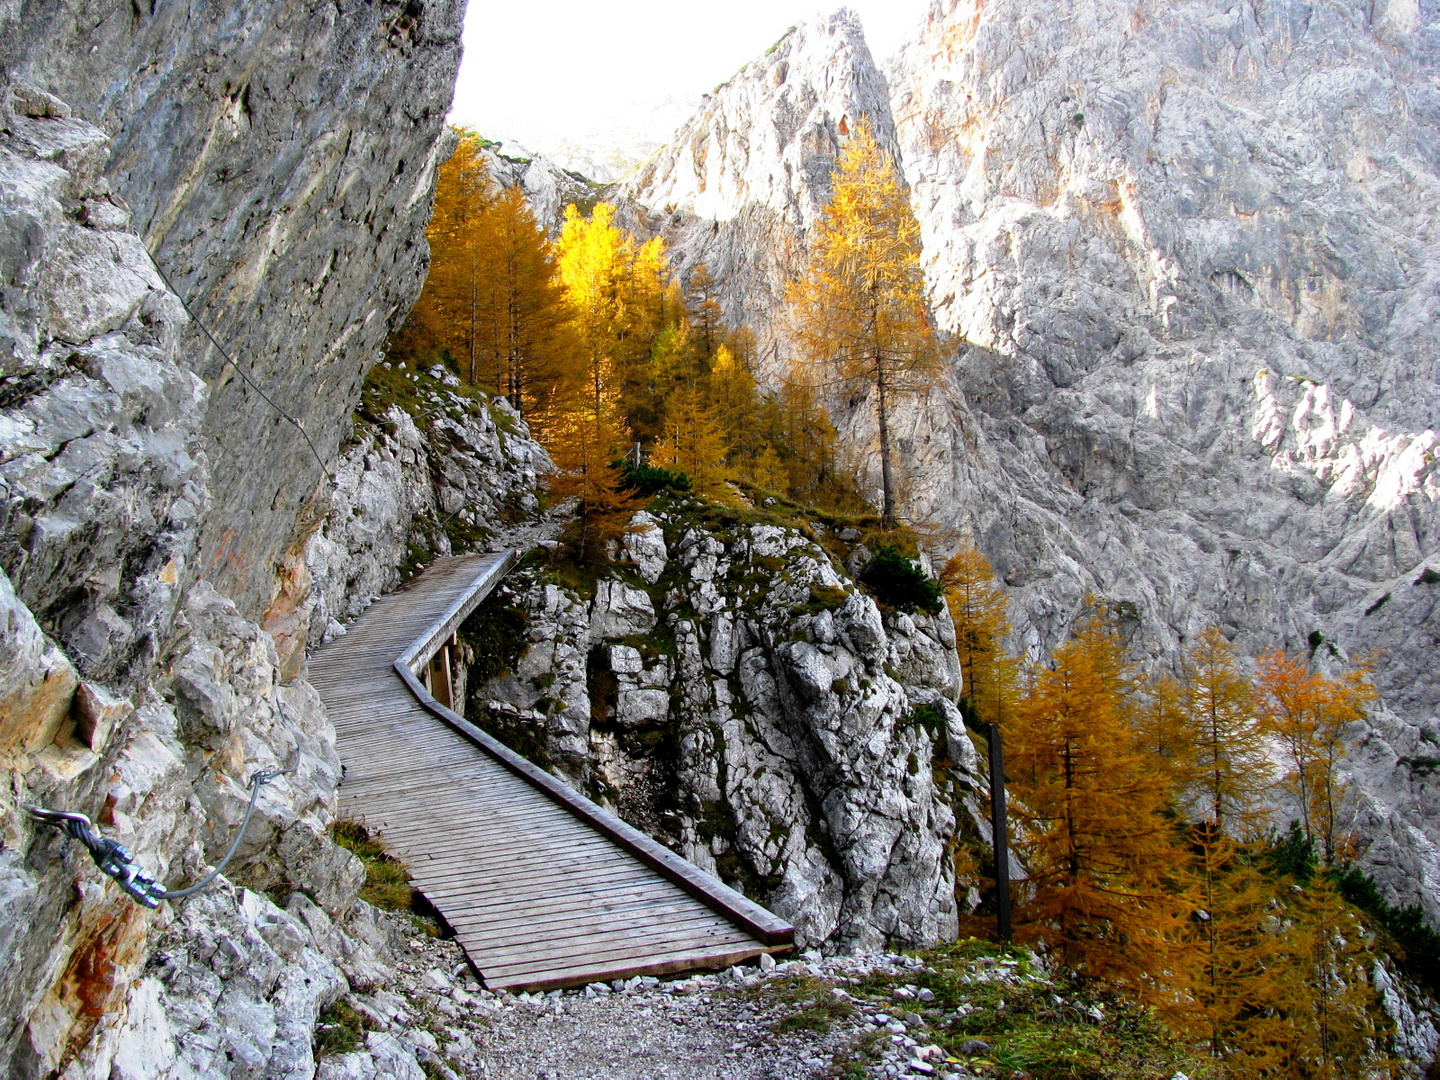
1000	831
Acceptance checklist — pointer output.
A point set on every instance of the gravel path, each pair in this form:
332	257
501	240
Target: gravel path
792	1021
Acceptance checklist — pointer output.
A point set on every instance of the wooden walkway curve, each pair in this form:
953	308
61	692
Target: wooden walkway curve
544	888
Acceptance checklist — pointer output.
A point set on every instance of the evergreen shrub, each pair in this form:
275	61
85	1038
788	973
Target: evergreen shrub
899	582
650	480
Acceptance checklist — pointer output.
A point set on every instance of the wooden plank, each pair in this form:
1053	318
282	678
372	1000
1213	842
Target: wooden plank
487	846
640	944
591	943
489	922
539	903
469	905
544	982
525	878
556	967
540	963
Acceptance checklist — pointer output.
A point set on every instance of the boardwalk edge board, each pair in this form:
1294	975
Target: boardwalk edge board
428	643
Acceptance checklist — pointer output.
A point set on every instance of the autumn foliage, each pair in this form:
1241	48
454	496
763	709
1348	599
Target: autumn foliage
1139	807
862	318
608	355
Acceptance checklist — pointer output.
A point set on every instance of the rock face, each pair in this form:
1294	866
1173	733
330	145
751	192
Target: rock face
740	697
134	692
401	491
548	187
1185	257
279	161
103	482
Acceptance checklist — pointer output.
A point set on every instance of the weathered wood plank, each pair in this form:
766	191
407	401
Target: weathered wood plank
552	966
578	938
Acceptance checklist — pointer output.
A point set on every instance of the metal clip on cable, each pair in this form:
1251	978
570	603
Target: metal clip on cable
112	857
115	861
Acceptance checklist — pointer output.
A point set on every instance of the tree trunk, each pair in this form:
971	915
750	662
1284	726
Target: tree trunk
887	512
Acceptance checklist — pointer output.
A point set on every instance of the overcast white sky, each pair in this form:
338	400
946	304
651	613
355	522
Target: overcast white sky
618	75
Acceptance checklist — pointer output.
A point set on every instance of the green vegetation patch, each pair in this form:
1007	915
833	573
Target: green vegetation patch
807	1002
407	382
495	637
899	583
1033	1025
387	881
650	480
340	1030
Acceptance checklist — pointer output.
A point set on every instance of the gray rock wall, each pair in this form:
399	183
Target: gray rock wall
279	160
400	490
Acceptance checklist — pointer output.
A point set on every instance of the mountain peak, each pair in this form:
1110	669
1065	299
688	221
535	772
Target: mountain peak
769	136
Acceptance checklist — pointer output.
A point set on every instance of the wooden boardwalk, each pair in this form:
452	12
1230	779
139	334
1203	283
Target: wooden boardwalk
544	888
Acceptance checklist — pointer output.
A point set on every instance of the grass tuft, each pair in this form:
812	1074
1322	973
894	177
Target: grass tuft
387	881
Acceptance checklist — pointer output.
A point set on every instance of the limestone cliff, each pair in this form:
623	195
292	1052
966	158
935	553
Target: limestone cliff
730	689
548	187
430	470
739	184
1184	254
278	160
153	506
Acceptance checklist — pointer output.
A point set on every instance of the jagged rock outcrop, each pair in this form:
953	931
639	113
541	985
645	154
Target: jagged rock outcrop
548	187
740	182
1185	257
742	698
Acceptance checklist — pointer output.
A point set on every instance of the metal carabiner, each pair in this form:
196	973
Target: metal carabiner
112	857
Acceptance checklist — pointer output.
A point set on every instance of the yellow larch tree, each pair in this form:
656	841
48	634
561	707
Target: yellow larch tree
860	305
1095	838
706	317
1333	1027
1164	731
526	345
807	440
585	445
449	313
694	443
1309	714
594	259
1232	770
617	289
1238	961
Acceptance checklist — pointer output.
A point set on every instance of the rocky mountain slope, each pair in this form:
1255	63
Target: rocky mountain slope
134	693
278	160
548	187
1185	257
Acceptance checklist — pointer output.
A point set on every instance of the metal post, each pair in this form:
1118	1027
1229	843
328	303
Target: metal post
1000	831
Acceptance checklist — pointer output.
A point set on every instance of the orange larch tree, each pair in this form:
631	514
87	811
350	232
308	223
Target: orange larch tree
1095	839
